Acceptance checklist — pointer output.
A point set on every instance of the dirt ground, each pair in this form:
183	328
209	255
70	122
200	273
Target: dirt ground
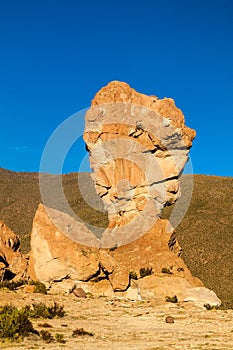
122	324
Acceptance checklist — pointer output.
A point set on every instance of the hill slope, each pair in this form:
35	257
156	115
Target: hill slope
205	233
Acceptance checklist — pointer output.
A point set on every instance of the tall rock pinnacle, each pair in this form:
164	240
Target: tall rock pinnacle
138	147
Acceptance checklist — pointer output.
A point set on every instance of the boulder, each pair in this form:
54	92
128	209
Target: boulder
54	255
13	263
163	286
169	319
79	292
201	295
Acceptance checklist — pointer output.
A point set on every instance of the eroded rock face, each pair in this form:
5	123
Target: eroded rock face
12	263
54	255
138	147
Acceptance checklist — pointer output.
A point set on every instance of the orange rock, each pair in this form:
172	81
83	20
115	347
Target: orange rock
137	144
10	255
138	147
55	255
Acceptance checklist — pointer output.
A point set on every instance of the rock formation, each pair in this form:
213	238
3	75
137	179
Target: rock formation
54	254
138	146
12	263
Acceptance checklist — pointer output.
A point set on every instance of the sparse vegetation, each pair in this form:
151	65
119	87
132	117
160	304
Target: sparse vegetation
40	310
172	299
80	331
89	295
60	338
133	275
45	325
46	336
166	270
39	287
12	285
145	271
211	307
14	323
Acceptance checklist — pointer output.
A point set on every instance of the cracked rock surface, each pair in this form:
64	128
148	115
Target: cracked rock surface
138	146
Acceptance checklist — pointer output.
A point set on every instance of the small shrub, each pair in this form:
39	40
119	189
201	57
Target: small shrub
56	310
89	295
211	307
166	270
14	323
12	285
180	269
80	331
133	275
145	271
40	310
60	338
39	287
172	299
45	325
46	336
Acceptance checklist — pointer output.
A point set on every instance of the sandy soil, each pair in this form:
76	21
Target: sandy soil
121	324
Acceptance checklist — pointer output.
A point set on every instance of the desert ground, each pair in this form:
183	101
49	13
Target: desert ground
122	324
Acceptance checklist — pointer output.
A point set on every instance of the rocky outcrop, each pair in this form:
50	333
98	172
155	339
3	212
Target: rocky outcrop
12	263
67	266
138	147
56	256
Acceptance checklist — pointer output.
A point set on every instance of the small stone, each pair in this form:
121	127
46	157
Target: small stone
169	319
79	293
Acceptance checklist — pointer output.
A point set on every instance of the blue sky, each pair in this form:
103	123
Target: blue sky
55	55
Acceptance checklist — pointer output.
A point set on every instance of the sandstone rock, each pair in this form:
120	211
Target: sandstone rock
79	292
133	293
8	238
155	286
54	255
119	279
138	147
201	295
102	288
15	264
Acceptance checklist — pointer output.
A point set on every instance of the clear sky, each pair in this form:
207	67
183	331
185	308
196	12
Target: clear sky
56	54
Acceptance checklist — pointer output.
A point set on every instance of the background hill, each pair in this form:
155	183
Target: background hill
205	233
